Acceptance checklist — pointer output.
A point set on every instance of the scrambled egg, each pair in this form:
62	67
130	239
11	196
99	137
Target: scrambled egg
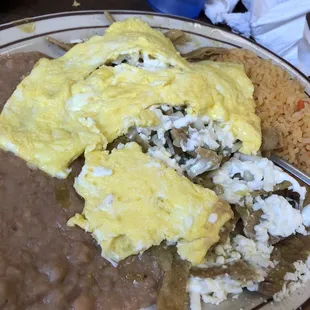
133	201
67	105
31	123
34	124
117	98
79	103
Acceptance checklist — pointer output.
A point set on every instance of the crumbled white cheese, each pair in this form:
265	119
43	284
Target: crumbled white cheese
140	246
195	301
133	59
78	101
144	137
212	218
256	254
89	123
197	166
165	121
202	133
220	260
257	173
212	134
253	288
279	218
101	171
99	234
120	146
294	280
165	107
82	180
224	135
214	291
163	155
202	137
107	204
224	254
188	222
153	64
184	121
145	131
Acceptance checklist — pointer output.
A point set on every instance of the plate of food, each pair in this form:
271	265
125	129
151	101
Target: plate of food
135	166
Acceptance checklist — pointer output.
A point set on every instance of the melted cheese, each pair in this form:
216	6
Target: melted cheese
141	202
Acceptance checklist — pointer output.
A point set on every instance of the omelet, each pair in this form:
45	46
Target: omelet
133	201
34	124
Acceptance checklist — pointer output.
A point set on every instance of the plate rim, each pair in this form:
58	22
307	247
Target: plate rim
26	20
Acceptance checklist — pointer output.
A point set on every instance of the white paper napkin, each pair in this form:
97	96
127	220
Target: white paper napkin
279	25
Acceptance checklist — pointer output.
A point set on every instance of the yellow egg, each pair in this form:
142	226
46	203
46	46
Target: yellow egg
133	202
31	123
67	105
116	98
79	102
34	124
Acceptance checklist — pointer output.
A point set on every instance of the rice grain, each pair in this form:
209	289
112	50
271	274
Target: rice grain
277	98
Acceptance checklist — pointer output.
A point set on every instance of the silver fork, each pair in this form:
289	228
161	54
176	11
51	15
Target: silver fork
304	177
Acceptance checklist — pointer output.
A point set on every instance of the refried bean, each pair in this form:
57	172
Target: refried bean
45	264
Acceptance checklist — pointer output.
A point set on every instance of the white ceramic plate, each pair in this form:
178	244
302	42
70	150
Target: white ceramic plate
81	25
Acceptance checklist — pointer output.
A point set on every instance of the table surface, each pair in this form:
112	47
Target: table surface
18	9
